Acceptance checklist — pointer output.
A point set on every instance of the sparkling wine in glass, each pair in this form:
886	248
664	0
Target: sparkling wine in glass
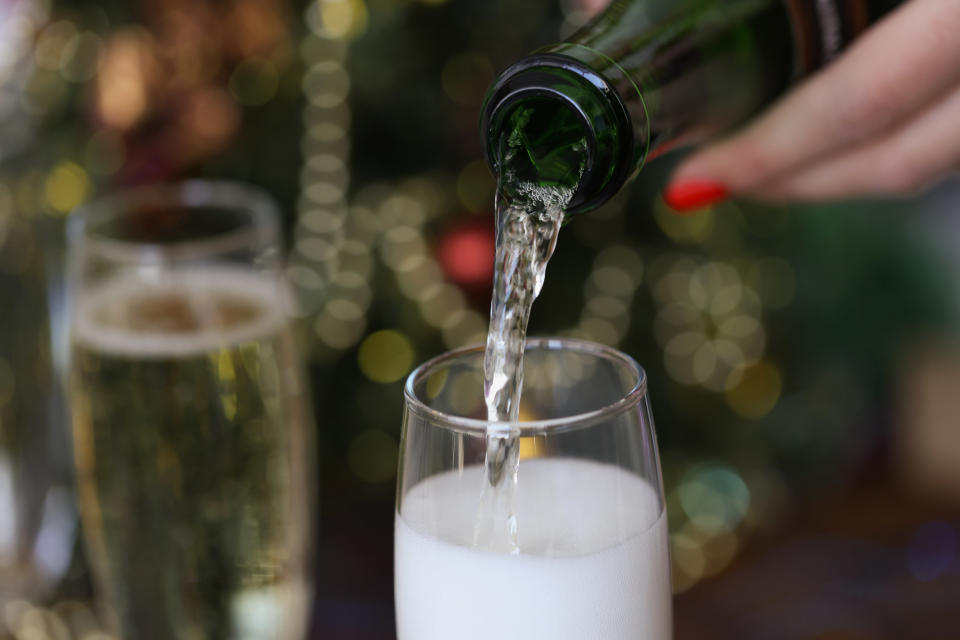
192	432
592	559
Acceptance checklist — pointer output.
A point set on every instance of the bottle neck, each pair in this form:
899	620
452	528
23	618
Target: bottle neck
554	120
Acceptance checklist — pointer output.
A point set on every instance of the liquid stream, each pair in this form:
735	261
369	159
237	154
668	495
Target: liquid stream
527	228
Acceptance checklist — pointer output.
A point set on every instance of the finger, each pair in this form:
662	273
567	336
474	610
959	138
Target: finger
593	7
914	156
902	64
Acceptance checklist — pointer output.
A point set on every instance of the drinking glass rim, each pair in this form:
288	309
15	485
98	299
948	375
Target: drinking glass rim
254	201
627	401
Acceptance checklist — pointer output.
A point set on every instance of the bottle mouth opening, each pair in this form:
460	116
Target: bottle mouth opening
595	104
507	108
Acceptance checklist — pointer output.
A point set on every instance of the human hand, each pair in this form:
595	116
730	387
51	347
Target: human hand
882	120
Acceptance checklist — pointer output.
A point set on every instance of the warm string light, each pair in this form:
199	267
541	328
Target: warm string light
707	321
608	294
320	234
390	220
421	278
341	321
331	262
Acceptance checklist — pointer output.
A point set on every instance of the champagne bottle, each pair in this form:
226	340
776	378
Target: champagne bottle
647	76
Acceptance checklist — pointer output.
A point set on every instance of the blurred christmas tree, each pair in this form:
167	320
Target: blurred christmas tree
769	335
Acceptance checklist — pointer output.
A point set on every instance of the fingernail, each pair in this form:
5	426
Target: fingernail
691	195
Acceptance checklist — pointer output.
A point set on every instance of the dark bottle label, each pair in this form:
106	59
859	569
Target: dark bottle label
822	28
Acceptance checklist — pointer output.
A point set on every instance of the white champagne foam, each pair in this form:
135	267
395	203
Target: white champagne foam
199	286
593	560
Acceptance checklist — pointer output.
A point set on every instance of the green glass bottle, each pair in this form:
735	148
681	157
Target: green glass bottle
646	76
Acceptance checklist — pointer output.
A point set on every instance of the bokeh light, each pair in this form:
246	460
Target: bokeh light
336	333
719	550
707	322
337	18
689	563
439	304
210	118
322	230
608	293
128	62
386	356
326	84
756	391
466	254
693	230
66	187
714	498
51	43
80	57
468	327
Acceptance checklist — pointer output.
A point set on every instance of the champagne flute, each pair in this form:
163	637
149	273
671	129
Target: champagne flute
192	431
593	558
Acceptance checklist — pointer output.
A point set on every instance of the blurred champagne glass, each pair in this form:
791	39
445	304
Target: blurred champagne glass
192	430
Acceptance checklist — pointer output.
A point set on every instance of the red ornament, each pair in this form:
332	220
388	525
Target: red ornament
466	253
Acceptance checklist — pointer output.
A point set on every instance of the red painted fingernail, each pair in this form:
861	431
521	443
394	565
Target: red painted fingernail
691	195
